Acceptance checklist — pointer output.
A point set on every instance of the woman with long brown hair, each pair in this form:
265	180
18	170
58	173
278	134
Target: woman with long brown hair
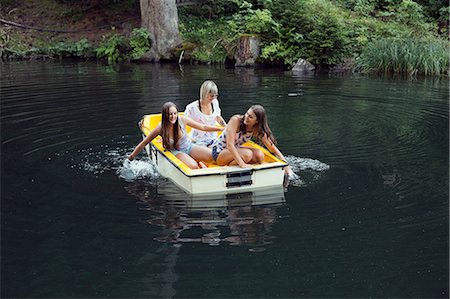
174	136
228	148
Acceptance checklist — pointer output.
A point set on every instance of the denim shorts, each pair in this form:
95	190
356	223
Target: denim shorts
215	153
186	150
203	143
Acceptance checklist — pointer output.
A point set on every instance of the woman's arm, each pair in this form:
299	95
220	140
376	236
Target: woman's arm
155	132
220	120
274	150
196	125
218	112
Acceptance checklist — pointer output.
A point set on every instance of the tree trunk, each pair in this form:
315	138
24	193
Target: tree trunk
160	18
248	50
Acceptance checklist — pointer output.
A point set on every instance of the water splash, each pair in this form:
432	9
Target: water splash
101	160
309	169
97	161
136	169
299	164
104	159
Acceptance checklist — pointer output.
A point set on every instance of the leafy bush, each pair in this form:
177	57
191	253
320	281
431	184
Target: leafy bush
113	47
311	29
140	42
210	41
116	47
81	48
259	21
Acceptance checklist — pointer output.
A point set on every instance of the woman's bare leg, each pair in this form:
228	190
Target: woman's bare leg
201	153
188	160
226	158
257	157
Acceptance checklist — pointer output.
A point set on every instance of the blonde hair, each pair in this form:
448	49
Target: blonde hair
207	87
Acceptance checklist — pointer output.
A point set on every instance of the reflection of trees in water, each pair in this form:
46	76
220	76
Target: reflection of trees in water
247	77
251	225
238	219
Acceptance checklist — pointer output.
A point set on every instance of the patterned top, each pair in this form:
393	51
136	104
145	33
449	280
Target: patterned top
221	142
192	111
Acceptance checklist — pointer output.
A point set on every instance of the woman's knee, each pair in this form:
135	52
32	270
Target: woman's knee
246	155
258	156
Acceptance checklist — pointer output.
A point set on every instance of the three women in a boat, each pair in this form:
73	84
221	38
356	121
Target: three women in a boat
174	137
205	110
228	148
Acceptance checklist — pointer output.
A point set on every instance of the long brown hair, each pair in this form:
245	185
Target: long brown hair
165	126
261	125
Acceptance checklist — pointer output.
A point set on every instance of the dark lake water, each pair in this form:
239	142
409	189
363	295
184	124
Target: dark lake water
366	216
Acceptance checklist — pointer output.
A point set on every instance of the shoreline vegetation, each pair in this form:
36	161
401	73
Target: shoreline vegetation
385	36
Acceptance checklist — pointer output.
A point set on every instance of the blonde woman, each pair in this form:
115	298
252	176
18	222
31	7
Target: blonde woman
205	110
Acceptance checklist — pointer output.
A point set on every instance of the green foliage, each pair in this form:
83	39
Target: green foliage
81	48
327	39
411	56
432	7
253	21
12	47
443	21
321	31
259	21
312	29
410	13
406	12
362	7
140	42
444	14
113	47
326	32
213	41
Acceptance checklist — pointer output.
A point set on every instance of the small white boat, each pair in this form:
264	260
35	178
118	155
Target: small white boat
214	179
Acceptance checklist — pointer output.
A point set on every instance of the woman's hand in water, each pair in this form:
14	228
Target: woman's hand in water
288	170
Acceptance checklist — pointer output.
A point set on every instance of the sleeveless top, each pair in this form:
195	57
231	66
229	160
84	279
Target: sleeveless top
221	142
183	142
192	111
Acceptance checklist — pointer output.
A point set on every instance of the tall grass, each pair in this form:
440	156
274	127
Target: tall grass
411	56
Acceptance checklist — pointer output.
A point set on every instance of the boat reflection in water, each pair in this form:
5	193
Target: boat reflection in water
235	219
